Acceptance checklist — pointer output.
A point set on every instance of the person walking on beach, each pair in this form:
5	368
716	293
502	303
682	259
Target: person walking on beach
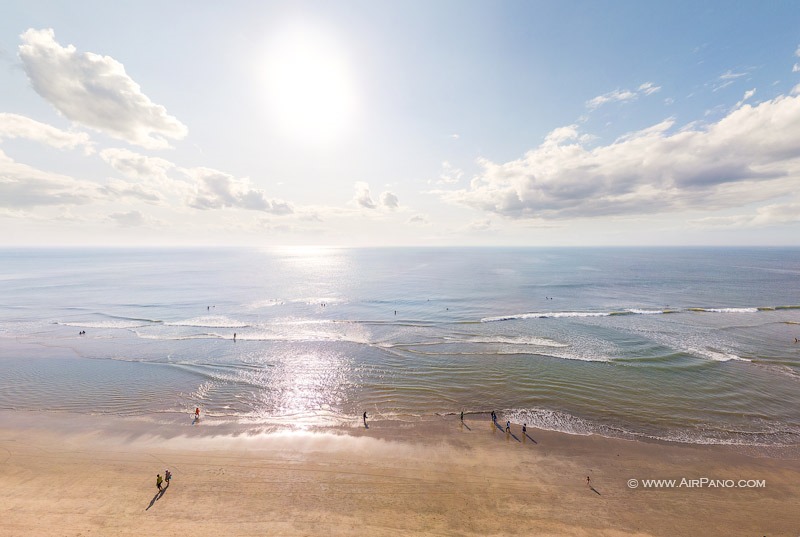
197	413
524	431
159	480
365	421
494	416
462	416
167	476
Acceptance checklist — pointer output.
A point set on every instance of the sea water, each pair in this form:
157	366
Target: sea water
685	344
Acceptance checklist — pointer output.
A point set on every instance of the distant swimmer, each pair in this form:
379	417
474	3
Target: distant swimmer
795	339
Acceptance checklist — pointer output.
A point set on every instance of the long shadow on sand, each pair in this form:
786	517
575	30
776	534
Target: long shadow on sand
465	425
157	497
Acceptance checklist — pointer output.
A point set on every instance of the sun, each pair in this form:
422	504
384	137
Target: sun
310	90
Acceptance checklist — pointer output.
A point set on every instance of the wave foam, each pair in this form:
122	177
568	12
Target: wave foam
119	323
546	315
210	321
717	356
727	310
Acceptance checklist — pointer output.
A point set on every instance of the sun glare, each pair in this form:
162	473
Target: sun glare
309	85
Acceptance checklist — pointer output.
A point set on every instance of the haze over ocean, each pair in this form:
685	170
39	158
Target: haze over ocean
687	344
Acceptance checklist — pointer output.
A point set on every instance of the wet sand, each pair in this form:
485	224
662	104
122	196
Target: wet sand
90	476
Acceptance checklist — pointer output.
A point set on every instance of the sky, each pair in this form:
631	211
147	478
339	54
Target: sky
414	123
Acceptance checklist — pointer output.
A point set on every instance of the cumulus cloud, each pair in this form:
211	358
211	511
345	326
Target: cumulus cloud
363	198
389	200
218	190
135	165
752	154
95	91
16	126
418	219
620	95
22	186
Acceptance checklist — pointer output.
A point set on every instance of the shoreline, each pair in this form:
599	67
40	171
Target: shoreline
96	475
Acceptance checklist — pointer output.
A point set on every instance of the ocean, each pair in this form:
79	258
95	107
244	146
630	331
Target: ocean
689	345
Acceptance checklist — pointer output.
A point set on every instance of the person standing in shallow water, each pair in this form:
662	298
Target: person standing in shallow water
365	419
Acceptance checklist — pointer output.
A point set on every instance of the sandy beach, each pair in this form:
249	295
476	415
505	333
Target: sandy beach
66	476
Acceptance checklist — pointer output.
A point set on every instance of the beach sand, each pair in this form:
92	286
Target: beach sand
78	477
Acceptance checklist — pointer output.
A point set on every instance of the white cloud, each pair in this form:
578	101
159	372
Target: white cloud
363	198
129	219
752	154
613	96
95	91
16	126
419	219
218	190
769	215
483	224
449	174
730	75
797	65
727	78
648	88
389	200
122	189
136	165
747	95
24	186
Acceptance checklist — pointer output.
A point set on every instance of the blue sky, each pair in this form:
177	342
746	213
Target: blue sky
400	123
